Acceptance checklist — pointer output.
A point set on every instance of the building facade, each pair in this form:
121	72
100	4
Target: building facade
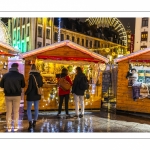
30	33
97	45
142	33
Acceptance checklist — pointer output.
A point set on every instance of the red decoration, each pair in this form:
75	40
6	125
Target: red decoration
6	54
67	58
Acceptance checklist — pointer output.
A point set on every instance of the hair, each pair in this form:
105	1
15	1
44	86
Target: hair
79	70
64	70
133	69
15	65
33	67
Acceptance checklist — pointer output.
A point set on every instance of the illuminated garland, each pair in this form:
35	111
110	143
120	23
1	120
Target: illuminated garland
59	19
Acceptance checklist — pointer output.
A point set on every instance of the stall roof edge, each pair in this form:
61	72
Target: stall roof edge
7	46
64	43
137	53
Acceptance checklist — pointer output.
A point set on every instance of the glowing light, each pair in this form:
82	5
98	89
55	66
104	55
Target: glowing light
4	34
59	19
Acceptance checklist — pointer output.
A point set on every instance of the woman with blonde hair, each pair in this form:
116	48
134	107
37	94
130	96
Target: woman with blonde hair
32	95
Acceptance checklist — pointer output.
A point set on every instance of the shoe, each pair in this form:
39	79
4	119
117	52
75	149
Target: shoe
67	115
16	128
34	123
58	115
76	116
9	128
30	126
80	115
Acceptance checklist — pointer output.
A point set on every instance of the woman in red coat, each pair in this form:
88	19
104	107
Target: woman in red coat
64	94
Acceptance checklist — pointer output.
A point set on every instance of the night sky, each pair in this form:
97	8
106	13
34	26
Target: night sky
125	22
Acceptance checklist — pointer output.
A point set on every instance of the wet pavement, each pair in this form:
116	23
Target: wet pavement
104	120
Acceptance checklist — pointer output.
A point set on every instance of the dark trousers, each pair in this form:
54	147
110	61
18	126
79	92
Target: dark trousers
61	98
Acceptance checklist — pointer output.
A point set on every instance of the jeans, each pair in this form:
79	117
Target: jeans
61	97
12	104
36	110
78	98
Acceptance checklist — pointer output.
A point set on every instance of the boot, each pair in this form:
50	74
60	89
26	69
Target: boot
30	126
34	123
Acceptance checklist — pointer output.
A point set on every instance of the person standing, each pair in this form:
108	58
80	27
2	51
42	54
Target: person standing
12	82
32	95
64	94
80	84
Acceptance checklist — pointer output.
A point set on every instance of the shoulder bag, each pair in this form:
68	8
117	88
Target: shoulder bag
39	89
64	84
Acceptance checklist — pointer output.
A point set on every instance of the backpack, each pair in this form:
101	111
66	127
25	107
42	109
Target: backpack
83	83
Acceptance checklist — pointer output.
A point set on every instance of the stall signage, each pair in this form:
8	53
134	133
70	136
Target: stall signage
106	81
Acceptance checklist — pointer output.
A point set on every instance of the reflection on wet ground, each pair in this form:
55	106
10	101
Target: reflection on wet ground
103	120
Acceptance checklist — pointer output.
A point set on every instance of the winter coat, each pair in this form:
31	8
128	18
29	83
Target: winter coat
75	88
31	92
12	82
61	91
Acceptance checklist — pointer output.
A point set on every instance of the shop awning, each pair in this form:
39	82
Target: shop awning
132	55
92	56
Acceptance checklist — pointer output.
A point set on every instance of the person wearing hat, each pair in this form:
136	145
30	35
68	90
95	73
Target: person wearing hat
12	82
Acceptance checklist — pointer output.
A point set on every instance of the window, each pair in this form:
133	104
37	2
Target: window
28	20
48	22
78	40
144	36
98	44
39	31
90	44
47	44
56	36
18	22
82	42
28	46
22	47
22	33
144	22
143	47
14	23
18	35
39	44
87	43
62	37
72	38
67	37
28	30
48	33
14	35
40	20
23	21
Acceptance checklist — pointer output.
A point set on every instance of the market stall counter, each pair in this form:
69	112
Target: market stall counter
52	58
133	83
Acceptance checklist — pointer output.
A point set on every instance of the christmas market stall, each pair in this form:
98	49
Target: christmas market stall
133	83
6	52
52	58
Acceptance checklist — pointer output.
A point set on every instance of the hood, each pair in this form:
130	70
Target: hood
80	74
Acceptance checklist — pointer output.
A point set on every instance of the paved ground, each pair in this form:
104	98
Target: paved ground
94	121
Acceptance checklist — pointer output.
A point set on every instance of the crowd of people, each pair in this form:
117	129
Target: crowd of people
13	83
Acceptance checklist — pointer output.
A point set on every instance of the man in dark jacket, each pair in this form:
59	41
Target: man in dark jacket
78	89
12	82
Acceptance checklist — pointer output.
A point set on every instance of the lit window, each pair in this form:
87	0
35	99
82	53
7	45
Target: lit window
144	36
39	31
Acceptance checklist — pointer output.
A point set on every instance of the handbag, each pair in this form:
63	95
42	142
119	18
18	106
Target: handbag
39	89
64	84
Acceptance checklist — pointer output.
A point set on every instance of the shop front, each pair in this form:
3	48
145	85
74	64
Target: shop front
6	52
133	82
51	59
